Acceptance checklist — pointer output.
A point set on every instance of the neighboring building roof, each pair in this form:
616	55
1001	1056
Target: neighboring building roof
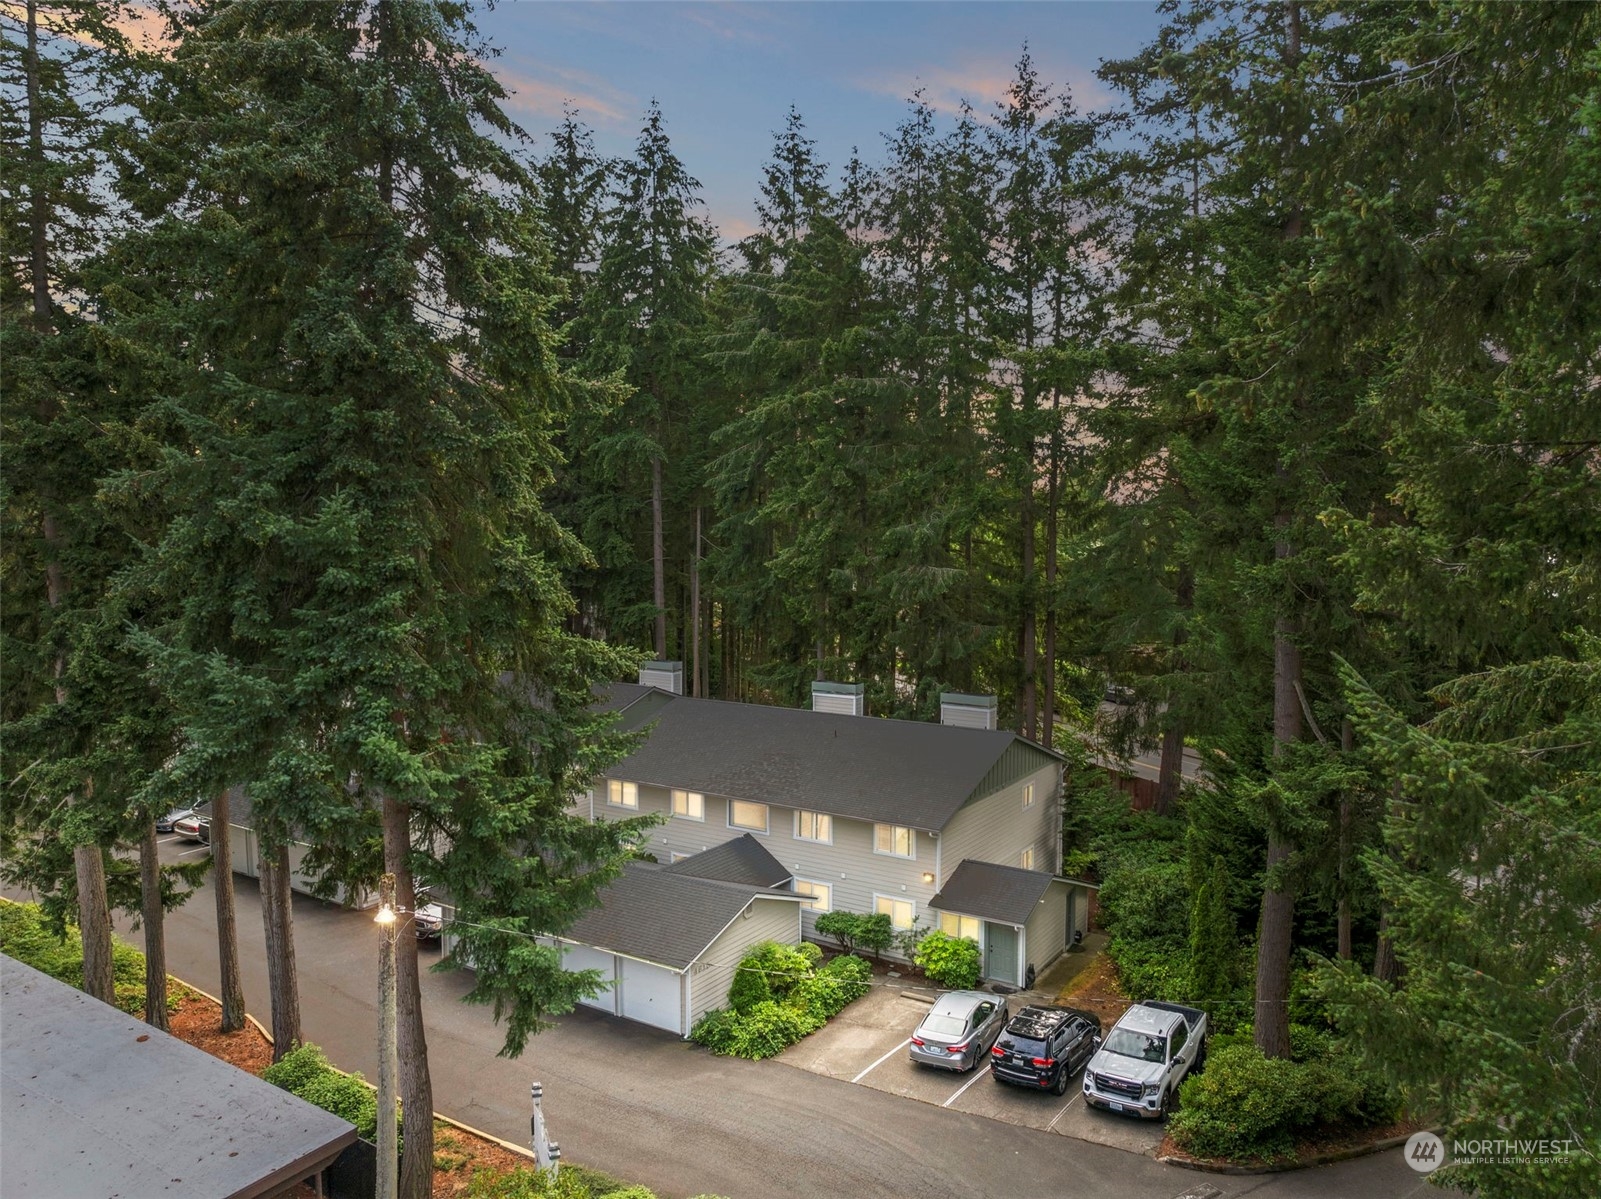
659	916
95	1102
743	860
1008	894
906	772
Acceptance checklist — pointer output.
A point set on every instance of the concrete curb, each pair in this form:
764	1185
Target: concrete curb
1318	1159
509	1146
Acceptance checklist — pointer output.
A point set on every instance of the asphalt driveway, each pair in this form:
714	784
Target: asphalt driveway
866	1045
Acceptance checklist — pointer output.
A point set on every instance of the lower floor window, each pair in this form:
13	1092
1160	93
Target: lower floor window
1027	858
901	912
821	895
970	927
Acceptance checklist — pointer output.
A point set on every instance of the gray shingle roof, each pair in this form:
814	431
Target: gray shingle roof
660	916
904	772
1008	894
743	860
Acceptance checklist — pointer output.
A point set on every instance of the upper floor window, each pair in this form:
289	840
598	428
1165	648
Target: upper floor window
814	826
1028	795
895	840
744	814
1026	858
691	805
622	795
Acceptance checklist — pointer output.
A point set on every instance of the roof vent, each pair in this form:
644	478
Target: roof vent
846	699
967	711
669	676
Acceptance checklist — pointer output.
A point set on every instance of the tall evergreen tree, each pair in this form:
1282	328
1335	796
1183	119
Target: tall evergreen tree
341	308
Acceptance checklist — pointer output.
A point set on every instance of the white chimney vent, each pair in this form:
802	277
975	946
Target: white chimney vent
967	711
669	676
846	699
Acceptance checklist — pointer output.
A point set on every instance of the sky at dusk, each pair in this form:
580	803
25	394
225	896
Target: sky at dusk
726	73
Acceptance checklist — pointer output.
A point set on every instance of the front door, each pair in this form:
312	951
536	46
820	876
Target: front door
1000	953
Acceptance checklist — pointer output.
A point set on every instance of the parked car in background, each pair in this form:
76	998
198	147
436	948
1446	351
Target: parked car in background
1043	1047
196	826
429	918
1144	1058
165	822
959	1030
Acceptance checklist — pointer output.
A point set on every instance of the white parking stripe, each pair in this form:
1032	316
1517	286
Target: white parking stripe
1063	1112
978	1073
166	840
202	849
882	1060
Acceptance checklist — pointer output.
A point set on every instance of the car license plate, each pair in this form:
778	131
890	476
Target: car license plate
1115	1106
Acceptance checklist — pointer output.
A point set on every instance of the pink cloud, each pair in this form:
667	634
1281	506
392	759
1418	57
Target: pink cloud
542	89
983	84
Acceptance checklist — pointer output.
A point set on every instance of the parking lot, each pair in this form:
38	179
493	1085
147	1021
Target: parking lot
866	1044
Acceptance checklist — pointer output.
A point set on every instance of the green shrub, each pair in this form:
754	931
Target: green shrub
26	935
951	962
716	1030
855	931
1245	1106
853	970
571	1182
750	987
770	1028
811	951
305	1072
1151	969
876	933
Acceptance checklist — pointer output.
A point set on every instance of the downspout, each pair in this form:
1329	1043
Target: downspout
939	871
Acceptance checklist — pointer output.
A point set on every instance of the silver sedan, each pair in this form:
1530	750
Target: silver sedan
958	1031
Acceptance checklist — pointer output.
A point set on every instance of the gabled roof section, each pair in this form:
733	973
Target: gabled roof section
1007	894
636	702
743	860
906	772
656	915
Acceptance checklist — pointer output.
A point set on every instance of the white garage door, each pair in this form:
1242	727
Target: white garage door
582	957
651	995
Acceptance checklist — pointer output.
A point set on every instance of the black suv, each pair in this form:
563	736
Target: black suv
1045	1047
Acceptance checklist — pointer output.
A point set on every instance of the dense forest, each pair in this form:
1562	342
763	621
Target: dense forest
1268	396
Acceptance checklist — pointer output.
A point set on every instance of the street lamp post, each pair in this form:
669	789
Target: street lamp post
388	1047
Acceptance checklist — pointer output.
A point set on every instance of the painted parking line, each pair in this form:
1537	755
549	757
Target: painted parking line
202	849
1062	1113
979	1073
882	1060
167	840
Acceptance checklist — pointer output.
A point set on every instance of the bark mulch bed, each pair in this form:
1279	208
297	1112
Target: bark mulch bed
458	1155
1095	988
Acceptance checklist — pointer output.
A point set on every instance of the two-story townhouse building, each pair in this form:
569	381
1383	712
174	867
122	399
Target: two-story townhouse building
934	825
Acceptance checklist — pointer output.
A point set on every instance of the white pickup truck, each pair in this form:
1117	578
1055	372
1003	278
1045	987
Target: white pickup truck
1141	1062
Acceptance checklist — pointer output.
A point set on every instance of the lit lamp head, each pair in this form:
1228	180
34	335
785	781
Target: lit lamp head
386	915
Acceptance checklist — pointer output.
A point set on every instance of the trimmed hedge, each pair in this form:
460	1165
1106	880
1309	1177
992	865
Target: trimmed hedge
801	998
26	935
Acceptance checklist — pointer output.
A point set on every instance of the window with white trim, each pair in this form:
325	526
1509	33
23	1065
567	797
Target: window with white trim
814	826
622	795
744	814
822	895
1026	858
901	912
953	925
894	840
691	805
1028	795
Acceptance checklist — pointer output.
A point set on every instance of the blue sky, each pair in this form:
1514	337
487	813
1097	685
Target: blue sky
725	73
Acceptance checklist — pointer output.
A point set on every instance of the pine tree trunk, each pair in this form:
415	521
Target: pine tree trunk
277	917
1027	651
1276	927
1053	502
697	681
1385	967
416	1086
94	922
89	867
153	916
1170	773
659	577
1343	917
232	993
